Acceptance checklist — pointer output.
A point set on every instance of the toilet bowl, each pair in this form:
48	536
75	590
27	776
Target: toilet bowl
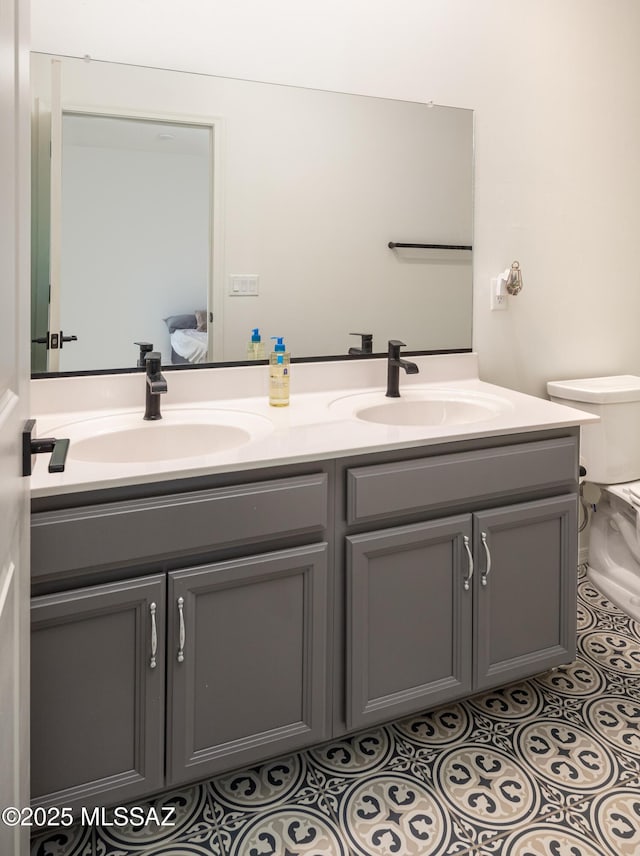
614	549
610	452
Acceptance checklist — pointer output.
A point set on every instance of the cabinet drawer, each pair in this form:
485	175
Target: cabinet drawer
403	487
66	541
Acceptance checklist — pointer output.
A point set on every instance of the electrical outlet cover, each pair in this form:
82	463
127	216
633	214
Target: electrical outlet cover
498	299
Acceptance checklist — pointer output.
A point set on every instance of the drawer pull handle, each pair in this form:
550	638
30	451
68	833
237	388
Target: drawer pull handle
182	629
467	580
154	637
487	571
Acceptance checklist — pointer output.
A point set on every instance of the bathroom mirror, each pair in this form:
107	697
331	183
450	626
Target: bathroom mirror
188	201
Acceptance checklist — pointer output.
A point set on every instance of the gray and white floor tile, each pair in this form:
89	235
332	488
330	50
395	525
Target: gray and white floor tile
274	810
181	818
73	841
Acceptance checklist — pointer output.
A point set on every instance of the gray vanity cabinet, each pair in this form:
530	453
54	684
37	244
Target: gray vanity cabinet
288	605
247	661
97	693
448	605
408	619
243	639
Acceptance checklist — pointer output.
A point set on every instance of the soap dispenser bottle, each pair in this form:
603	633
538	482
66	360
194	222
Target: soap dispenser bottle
255	348
279	362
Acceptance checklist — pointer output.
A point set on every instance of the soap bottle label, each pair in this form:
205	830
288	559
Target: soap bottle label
278	384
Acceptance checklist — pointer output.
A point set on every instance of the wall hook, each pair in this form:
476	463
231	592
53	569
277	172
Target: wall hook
513	279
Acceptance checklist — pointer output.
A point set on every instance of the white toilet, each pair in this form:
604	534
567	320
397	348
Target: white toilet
610	451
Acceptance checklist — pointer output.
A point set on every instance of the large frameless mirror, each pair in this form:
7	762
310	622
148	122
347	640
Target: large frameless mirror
186	211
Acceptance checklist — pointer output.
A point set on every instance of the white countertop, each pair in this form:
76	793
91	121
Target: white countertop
312	427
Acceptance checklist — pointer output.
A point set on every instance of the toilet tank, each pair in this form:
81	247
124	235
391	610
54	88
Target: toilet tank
609	449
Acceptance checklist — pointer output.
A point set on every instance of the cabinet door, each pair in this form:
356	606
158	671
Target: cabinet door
97	693
247	660
525	598
408	619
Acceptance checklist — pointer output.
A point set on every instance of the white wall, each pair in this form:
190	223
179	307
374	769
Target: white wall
554	87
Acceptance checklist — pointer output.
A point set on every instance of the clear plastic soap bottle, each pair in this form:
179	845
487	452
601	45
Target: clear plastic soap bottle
255	348
279	364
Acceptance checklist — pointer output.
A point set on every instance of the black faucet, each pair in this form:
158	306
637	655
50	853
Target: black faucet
367	344
394	364
156	385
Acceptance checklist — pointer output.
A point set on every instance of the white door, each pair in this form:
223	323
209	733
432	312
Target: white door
14	380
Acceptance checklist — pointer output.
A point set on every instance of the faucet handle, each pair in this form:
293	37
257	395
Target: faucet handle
145	347
153	361
394	348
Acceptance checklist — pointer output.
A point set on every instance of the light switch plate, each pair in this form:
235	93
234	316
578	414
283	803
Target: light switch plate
244	285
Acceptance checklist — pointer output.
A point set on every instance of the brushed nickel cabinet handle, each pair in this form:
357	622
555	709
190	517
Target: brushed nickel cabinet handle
487	571
467	580
182	629
154	636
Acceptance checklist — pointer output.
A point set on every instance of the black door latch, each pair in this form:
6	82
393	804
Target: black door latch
54	341
33	446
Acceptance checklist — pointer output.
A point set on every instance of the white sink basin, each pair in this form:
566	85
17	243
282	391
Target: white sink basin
421	407
179	435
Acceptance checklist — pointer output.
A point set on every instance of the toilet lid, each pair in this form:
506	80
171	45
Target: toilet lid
597	390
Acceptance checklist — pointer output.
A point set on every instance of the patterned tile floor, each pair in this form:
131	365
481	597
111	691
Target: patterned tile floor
546	767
